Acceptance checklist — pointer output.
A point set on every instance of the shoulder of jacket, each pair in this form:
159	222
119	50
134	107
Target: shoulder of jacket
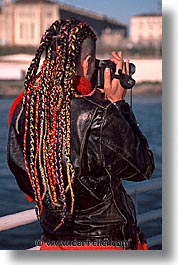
97	99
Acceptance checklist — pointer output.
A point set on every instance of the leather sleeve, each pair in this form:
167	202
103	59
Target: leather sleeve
125	149
15	157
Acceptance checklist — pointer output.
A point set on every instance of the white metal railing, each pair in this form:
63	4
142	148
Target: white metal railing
14	220
134	190
29	216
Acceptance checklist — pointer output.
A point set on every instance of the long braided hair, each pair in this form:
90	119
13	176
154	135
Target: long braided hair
46	103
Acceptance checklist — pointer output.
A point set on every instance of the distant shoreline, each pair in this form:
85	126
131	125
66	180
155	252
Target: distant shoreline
145	88
12	88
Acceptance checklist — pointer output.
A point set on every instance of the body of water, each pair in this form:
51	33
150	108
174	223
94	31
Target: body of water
148	112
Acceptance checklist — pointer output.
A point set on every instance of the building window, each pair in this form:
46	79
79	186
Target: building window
49	14
32	31
21	31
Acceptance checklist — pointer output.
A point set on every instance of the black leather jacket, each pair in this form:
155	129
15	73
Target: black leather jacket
107	146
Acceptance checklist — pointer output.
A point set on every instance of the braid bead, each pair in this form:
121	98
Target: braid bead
46	103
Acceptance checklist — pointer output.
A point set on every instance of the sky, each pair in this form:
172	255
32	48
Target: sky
122	10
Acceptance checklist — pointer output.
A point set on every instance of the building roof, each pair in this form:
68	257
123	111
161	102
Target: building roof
77	10
34	1
148	15
89	13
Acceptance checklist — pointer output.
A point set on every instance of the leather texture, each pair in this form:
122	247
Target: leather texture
106	147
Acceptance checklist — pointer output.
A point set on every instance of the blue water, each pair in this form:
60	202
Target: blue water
148	112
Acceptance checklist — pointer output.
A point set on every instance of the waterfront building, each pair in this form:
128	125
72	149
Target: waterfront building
22	22
146	29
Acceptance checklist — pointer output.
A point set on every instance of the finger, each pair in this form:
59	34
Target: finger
118	60
119	64
127	67
118	55
107	79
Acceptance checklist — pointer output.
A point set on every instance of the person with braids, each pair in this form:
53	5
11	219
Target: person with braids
70	145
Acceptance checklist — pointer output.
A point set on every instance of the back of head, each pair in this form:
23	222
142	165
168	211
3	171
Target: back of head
46	104
65	43
88	47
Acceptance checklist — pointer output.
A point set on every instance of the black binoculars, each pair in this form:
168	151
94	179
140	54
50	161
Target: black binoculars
126	81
